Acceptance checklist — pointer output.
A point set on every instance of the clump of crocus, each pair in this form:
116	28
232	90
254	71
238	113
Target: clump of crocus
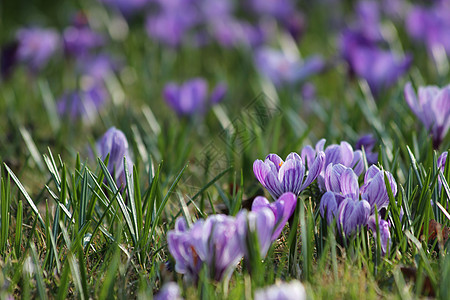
283	69
213	242
432	107
169	291
279	176
114	143
385	235
368	141
191	98
334	154
293	290
349	204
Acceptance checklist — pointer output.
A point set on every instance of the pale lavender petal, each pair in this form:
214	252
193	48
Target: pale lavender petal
349	184
291	175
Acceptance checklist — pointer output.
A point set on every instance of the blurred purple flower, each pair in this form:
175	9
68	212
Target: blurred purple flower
282	208
97	67
213	242
275	8
279	176
171	24
36	46
368	19
385	235
432	107
431	25
281	69
293	290
83	103
169	291
261	223
79	40
114	143
374	188
380	68
191	97
368	141
231	32
308	91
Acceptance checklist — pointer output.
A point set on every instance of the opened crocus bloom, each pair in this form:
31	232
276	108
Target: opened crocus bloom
279	176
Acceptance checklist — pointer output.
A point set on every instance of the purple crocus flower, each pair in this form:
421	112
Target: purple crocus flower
353	214
114	143
169	291
374	187
293	290
261	223
36	46
432	107
213	242
279	176
83	104
191	97
281	69
385	235
334	154
368	141
282	208
380	68
329	204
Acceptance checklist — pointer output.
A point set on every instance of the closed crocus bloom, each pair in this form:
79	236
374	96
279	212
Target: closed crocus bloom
279	176
374	188
114	143
261	223
282	208
342	181
329	204
353	214
213	242
293	290
36	46
432	107
385	235
170	291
